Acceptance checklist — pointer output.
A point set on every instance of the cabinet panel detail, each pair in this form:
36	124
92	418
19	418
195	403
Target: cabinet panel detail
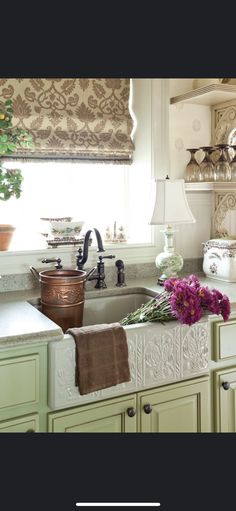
182	408
224	340
19	377
225	400
29	423
176	416
108	417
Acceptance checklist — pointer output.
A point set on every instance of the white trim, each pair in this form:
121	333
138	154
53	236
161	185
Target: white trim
20	262
160	160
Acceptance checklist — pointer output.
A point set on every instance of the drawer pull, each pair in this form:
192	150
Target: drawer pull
131	412
226	385
147	408
30	431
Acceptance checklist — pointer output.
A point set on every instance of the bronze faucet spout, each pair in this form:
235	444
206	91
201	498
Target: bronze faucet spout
82	256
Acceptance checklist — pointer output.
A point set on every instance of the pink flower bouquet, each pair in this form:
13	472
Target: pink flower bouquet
183	299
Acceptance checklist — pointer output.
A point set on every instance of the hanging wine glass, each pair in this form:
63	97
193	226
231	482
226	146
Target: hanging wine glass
207	166
222	166
193	167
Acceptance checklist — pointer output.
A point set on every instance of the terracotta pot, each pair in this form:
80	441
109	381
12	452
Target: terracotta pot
6	233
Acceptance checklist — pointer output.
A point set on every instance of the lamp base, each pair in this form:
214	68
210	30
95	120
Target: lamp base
169	265
168	262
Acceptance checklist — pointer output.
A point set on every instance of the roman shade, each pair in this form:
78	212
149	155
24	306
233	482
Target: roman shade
76	118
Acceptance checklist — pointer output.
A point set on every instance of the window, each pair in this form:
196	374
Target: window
97	193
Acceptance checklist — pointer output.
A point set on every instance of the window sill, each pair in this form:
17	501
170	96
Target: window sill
15	262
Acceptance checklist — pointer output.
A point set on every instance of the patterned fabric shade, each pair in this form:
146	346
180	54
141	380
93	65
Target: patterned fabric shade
73	118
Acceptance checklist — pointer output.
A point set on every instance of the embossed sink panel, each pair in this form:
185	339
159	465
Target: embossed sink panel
158	354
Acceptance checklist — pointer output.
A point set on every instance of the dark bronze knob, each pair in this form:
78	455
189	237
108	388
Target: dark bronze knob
30	431
226	385
147	408
131	412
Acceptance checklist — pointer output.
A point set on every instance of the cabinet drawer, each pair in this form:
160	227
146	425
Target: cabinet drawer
29	423
19	381
224	345
111	416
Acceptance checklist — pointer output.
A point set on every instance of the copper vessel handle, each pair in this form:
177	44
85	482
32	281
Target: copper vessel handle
34	272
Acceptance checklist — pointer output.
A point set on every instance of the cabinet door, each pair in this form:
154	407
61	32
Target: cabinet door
19	377
23	376
224	346
176	408
111	416
225	400
27	424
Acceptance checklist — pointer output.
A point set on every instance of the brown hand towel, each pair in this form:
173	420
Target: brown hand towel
101	356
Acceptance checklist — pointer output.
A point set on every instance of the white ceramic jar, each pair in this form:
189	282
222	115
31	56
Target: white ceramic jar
219	261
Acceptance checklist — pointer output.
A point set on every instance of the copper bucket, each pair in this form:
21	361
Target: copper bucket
62	296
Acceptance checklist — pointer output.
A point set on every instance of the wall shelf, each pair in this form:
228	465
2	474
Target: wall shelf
209	186
208	95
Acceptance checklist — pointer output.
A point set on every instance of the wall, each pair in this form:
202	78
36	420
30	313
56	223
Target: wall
189	127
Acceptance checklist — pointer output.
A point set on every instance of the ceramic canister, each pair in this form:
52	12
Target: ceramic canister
219	259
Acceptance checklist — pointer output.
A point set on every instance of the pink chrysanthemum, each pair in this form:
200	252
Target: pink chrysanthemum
169	284
183	299
192	281
225	307
205	296
186	304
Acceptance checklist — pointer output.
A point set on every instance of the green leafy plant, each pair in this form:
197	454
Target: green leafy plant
10	139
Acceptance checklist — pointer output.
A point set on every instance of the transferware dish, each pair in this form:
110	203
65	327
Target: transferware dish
66	229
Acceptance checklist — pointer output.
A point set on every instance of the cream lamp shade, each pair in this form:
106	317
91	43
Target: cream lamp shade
171	207
171	204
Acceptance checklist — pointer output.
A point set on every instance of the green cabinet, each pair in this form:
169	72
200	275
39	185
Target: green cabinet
223	376
23	380
225	400
112	416
177	407
182	407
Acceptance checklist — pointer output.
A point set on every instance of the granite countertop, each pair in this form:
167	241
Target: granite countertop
22	323
150	284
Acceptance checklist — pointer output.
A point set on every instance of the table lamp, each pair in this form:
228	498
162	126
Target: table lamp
171	207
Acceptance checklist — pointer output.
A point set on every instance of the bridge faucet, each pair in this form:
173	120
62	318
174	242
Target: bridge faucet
97	273
82	256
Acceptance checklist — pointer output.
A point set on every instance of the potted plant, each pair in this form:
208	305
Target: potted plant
10	180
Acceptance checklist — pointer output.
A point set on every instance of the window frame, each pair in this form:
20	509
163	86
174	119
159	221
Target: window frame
15	262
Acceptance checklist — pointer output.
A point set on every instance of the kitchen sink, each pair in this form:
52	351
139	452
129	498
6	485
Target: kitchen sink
108	309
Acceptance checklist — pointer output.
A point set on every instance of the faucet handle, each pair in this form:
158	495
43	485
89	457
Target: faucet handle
58	266
106	257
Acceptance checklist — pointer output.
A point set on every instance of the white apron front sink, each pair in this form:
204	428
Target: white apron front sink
158	354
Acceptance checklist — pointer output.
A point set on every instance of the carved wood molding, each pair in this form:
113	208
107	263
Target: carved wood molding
224	124
224	201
